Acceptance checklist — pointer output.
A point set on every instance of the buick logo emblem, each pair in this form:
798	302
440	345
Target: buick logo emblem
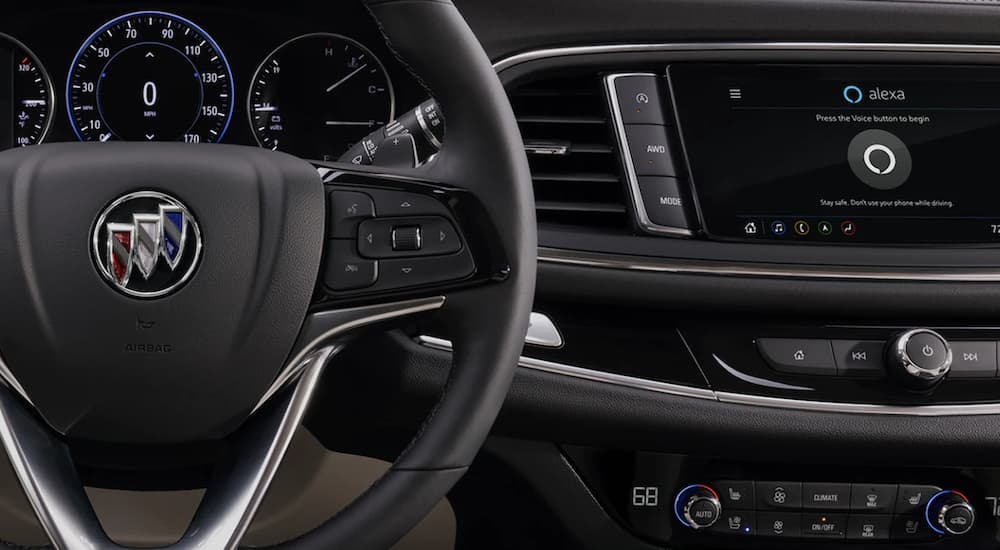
146	244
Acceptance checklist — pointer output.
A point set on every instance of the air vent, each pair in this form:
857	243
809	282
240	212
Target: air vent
573	162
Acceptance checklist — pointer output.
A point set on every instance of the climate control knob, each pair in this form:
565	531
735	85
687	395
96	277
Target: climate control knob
950	513
697	507
919	358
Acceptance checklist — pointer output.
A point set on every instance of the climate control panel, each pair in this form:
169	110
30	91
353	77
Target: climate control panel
804	510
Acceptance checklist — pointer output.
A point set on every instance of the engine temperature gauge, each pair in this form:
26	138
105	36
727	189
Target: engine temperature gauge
29	102
318	94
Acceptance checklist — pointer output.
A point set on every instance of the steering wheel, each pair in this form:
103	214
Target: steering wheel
166	293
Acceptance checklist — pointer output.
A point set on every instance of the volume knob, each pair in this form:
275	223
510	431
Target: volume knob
920	358
697	507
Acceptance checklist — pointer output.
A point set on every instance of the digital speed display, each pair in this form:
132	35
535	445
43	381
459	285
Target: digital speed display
150	76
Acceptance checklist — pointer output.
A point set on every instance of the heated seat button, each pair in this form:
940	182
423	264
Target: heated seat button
735	495
346	269
798	356
737	522
826	496
859	358
819	524
973	360
913	498
911	527
873	497
639	99
650	150
779	524
779	495
346	210
662	200
868	527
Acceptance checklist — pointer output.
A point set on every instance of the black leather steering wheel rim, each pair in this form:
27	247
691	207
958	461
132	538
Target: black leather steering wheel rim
434	41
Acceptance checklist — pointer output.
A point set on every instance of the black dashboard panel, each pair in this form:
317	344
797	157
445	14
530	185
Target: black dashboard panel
246	34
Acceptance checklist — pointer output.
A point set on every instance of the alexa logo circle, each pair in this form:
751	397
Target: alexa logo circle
853	94
146	244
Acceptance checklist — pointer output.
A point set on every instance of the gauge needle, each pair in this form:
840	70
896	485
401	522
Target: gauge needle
346	78
349	123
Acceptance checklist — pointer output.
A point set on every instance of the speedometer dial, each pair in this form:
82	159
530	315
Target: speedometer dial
150	76
317	95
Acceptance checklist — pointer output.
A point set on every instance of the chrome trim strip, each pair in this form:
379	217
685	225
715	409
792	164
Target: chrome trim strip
859	408
340	322
543	332
541	365
506	63
735	269
763	382
639	206
8	378
978	409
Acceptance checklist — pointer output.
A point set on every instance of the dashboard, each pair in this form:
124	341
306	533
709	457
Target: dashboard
308	80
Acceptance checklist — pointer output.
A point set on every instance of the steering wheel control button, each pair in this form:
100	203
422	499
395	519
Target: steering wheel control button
661	197
779	524
650	150
391	204
406	237
826	496
950	513
799	356
879	159
920	358
859	358
736	522
869	527
973	360
407	272
779	495
346	210
639	98
875	498
345	269
913	498
146	244
736	495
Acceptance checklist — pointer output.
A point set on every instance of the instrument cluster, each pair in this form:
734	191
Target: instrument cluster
292	80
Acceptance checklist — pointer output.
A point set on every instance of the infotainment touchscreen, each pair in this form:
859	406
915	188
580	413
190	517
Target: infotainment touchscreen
843	154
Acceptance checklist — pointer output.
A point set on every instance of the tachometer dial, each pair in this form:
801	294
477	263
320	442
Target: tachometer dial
150	76
29	99
318	94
